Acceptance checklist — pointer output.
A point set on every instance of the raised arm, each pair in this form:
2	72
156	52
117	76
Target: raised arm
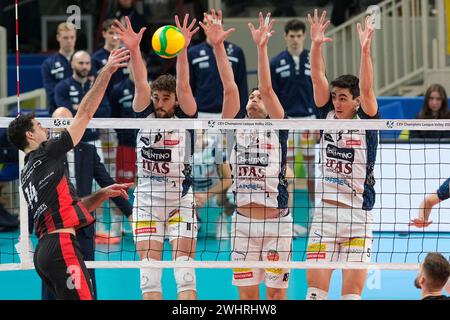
368	98
217	35
318	77
94	96
131	40
261	38
184	92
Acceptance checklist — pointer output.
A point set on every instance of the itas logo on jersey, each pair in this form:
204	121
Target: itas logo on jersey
253	159
157	155
346	154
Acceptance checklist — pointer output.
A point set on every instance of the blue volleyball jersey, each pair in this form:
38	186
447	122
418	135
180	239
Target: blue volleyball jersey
292	85
205	79
54	69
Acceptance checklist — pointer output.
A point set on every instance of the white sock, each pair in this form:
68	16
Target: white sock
351	297
316	294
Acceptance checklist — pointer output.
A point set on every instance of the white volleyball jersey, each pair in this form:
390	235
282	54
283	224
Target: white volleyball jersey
347	159
164	161
258	163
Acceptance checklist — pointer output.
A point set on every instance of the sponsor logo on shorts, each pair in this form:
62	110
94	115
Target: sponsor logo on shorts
277	271
240	274
315	255
316	251
175	220
356	242
350	143
145	227
286	277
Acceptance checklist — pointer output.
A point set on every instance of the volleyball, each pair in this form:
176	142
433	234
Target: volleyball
168	41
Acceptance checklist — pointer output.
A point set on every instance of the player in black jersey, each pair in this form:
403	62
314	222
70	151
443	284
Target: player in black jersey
51	197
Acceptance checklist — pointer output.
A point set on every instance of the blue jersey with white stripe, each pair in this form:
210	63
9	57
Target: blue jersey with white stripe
292	83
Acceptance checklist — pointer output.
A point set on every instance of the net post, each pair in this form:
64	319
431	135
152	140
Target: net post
24	246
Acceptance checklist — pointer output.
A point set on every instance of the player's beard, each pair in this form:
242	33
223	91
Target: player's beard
82	73
161	113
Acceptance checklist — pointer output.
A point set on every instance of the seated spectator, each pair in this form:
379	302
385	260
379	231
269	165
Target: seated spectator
433	275
435	107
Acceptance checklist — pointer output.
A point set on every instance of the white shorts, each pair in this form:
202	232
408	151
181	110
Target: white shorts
158	219
261	240
301	140
340	234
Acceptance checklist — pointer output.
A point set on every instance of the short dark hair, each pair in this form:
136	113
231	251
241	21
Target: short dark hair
347	81
294	25
107	24
436	269
165	82
18	128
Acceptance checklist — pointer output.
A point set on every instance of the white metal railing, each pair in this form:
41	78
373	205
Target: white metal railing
38	94
410	42
3	64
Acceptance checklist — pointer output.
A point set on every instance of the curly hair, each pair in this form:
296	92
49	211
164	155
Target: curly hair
18	128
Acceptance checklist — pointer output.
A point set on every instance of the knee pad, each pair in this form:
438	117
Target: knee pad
151	278
185	277
316	294
351	297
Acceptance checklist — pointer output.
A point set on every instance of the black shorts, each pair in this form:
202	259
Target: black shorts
59	262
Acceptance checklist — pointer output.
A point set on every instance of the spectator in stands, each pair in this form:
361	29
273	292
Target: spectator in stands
127	8
84	166
291	80
57	67
100	57
435	107
205	80
433	275
70	91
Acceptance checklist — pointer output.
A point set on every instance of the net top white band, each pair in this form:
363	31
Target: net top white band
262	124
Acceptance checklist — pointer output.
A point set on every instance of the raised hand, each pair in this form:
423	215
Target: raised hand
185	29
129	38
264	32
365	36
117	59
214	29
318	27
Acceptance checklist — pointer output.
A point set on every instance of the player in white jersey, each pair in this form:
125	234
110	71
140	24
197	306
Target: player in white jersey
164	202
341	226
262	223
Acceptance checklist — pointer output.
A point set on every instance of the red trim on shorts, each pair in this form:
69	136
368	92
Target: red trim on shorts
316	255
243	275
71	259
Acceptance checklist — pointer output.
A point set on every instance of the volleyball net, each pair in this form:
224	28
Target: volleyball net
175	160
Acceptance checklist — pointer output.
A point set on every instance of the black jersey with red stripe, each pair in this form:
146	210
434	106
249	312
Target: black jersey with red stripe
52	199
